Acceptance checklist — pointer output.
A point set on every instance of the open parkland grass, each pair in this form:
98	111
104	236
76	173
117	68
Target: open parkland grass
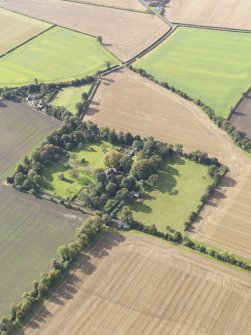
30	231
213	66
93	155
177	193
69	97
57	55
15	29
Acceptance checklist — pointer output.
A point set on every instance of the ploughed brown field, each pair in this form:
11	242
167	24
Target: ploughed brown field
135	284
21	128
125	33
125	101
214	13
241	118
124	4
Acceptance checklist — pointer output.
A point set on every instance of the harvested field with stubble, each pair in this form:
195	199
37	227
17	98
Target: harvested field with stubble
21	128
135	284
214	13
31	229
127	102
241	118
15	29
127	33
121	4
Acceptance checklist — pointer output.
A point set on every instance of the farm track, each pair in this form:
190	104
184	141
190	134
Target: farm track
126	35
135	284
127	102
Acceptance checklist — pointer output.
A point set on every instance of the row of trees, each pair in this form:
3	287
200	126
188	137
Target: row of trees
178	238
44	90
238	137
85	235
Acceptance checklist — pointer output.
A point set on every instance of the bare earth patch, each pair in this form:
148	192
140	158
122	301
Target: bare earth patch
241	118
124	33
124	4
140	285
223	13
125	101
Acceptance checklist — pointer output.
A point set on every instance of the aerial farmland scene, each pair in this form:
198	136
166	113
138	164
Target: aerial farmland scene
125	167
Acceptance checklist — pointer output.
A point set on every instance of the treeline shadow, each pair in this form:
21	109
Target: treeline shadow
73	282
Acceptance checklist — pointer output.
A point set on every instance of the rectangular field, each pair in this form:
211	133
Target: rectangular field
56	55
178	192
15	29
120	4
135	284
215	13
241	118
127	102
209	65
21	130
69	97
125	33
30	231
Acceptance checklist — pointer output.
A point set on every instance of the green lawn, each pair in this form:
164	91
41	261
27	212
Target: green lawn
180	186
210	65
93	155
57	55
69	97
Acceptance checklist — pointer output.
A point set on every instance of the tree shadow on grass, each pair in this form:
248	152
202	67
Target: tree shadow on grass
167	180
75	280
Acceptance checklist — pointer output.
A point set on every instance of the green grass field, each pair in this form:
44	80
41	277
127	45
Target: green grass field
30	231
69	97
179	189
57	55
15	29
93	155
210	65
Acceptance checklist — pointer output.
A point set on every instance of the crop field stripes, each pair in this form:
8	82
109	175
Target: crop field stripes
180	296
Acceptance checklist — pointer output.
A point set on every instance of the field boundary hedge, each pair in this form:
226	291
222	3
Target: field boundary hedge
233	110
238	137
27	41
106	6
189	25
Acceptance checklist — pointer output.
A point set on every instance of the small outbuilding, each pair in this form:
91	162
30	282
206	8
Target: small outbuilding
119	224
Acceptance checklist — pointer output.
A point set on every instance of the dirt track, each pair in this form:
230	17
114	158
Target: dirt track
140	285
124	33
126	101
223	13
